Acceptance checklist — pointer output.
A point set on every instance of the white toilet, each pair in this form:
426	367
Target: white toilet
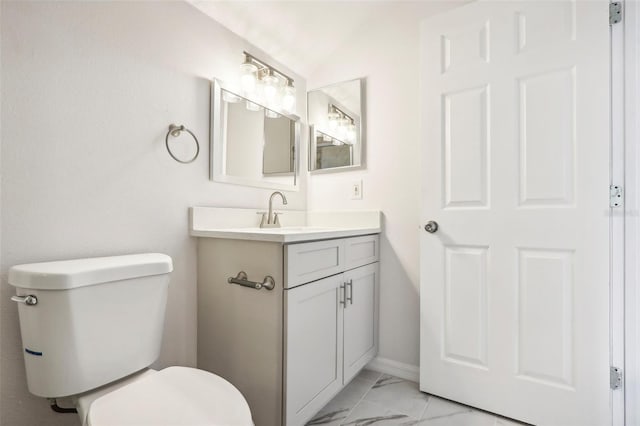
90	330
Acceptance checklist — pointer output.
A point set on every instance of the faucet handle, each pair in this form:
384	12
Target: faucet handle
276	218
263	220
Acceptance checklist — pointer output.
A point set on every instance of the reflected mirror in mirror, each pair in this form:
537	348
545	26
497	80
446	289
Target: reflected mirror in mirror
336	119
252	145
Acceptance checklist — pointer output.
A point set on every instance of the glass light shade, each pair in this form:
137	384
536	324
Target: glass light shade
289	99
270	87
248	77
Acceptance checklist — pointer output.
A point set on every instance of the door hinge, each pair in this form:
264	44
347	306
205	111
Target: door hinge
615	377
615	196
615	12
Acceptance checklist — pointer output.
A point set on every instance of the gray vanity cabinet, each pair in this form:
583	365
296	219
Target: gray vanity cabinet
291	349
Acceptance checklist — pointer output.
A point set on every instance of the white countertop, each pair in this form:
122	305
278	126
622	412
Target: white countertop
297	226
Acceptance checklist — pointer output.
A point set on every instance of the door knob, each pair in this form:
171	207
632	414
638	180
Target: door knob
431	227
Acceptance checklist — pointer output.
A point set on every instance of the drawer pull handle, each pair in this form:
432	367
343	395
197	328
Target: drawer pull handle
241	279
350	285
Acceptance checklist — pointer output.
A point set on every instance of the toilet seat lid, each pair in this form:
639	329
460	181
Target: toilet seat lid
173	396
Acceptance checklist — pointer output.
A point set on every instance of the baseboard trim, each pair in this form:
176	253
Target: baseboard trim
395	368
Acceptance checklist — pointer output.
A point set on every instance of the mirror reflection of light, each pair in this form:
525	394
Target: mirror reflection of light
351	133
253	106
230	97
271	114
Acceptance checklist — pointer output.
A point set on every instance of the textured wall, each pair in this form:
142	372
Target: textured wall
89	89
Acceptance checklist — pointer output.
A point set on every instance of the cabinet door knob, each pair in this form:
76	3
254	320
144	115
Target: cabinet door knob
431	226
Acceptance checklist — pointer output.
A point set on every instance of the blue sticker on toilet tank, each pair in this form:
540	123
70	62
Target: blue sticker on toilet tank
30	352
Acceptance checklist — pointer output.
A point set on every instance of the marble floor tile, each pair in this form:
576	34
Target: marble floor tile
368	413
330	416
438	407
468	418
369	375
399	395
375	399
501	421
339	407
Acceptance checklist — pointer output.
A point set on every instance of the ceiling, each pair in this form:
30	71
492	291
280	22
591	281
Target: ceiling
302	34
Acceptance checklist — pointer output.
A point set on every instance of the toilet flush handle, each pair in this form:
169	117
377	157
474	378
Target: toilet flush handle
30	300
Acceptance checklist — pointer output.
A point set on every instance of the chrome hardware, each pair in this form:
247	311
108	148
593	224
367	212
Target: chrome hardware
616	198
615	12
431	227
29	300
175	130
350	285
615	378
241	279
343	299
272	221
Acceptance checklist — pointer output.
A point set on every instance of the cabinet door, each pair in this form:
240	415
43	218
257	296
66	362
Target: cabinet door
313	347
360	318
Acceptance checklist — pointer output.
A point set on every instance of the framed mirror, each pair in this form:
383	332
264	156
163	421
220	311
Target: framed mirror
336	117
252	145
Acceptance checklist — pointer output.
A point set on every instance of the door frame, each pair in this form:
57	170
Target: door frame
627	64
617	217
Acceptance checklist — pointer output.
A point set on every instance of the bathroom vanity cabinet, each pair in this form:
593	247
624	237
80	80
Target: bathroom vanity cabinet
291	349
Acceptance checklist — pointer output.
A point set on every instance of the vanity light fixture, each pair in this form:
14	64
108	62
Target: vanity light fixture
262	81
341	122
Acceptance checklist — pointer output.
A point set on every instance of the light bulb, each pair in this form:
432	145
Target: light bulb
289	98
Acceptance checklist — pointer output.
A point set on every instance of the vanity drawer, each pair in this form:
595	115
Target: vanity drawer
312	261
361	251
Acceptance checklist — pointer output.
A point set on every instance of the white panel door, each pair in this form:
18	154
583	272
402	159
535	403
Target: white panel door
514	283
314	339
360	318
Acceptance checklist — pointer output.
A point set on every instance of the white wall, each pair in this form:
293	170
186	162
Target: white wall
89	89
388	55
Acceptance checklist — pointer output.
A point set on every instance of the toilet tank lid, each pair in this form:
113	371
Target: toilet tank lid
68	274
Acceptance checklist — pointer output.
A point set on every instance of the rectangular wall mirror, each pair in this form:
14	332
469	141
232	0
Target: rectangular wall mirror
250	144
336	117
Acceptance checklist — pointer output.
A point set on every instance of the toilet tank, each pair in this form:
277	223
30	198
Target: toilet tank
95	321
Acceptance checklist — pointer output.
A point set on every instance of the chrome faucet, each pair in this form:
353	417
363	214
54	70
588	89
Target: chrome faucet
271	220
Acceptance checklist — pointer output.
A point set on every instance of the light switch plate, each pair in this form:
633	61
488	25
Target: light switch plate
356	190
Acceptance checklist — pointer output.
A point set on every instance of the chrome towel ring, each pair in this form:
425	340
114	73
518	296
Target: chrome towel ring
175	130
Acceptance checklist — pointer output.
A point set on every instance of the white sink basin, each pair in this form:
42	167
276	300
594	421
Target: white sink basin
286	229
226	223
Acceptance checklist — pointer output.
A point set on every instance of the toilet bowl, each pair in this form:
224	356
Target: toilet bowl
90	330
